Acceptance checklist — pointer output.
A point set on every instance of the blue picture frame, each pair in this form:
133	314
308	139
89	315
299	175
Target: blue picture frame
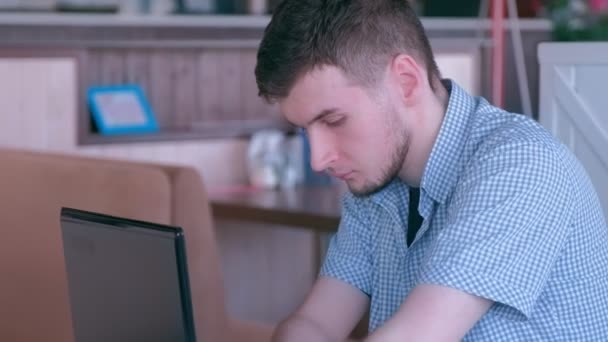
121	109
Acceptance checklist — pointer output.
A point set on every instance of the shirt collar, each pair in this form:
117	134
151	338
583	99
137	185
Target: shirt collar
441	171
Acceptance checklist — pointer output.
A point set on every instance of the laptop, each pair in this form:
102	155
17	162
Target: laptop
127	279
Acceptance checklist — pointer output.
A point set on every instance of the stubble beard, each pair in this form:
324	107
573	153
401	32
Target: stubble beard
390	171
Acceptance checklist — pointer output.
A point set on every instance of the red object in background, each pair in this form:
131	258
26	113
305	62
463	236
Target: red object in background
498	47
525	8
498	13
599	6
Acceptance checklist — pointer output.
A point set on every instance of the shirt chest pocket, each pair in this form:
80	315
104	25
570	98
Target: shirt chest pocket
389	252
392	279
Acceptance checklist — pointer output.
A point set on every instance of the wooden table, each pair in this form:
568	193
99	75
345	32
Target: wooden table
315	208
312	207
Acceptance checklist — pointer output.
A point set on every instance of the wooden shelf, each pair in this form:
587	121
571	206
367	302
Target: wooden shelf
98	139
124	20
228	130
257	22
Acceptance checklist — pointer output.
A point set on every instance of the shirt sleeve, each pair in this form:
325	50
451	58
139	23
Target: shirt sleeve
507	223
348	257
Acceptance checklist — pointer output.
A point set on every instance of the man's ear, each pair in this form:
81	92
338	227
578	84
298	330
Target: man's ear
407	75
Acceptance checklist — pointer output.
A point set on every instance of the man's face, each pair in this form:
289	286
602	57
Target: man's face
353	136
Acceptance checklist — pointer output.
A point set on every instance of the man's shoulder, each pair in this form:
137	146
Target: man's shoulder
513	139
494	127
511	153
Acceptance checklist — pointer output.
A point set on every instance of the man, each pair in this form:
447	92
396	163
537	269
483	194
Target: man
463	221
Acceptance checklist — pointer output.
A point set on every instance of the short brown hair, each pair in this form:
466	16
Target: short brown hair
357	36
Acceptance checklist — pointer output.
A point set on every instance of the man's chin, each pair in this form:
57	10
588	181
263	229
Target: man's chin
366	189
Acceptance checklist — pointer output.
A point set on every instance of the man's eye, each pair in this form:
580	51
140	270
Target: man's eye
335	122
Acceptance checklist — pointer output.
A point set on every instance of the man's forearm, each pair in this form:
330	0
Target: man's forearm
299	328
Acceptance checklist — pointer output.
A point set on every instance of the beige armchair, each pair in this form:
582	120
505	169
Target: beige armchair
34	186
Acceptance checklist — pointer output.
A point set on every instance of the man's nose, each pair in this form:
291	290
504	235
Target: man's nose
322	151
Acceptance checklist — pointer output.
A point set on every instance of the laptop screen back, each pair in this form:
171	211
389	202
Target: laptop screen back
127	280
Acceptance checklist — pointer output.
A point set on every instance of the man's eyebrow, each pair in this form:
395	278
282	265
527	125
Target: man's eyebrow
321	115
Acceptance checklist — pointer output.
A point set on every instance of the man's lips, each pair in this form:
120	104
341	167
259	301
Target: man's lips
342	176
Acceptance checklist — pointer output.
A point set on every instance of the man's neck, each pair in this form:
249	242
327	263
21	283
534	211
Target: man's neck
425	136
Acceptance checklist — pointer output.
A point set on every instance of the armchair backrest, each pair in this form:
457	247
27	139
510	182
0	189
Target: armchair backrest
33	188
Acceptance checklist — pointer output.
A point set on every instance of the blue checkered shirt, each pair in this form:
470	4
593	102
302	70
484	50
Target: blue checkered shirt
509	215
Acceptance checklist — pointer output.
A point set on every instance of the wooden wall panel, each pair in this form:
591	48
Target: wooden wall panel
37	101
189	87
209	78
111	66
229	85
10	90
38	97
194	89
160	93
252	105
137	68
185	88
60	107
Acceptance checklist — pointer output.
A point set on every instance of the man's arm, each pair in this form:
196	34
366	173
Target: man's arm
329	313
433	313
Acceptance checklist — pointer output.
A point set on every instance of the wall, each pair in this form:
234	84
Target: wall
38	101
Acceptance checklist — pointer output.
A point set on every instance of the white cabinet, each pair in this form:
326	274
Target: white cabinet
574	104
